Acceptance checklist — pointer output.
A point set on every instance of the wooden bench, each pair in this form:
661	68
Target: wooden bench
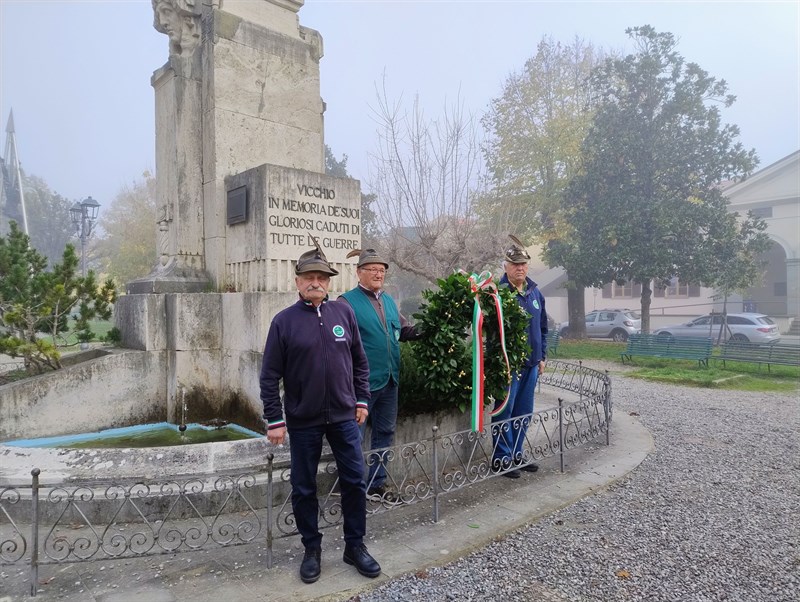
740	351
553	337
652	345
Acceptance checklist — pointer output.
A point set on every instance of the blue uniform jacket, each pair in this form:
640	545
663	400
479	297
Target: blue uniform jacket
317	352
532	301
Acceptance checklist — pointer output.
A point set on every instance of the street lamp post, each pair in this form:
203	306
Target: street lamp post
84	216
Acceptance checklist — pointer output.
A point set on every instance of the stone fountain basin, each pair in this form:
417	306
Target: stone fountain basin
58	465
98	470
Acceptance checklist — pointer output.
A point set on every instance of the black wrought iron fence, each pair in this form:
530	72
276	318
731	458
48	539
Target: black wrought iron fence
45	524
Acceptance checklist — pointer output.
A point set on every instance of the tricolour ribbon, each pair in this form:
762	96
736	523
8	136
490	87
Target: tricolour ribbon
477	284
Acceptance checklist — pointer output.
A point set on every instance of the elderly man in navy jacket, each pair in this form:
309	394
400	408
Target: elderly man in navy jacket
510	422
315	347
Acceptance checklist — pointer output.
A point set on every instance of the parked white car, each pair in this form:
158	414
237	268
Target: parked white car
616	324
752	327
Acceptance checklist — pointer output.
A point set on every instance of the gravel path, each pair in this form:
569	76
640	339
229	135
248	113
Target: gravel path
712	514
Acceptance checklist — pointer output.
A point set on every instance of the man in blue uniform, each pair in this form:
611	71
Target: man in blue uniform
508	438
315	348
382	328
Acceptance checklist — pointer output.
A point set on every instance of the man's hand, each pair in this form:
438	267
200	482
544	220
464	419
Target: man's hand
277	436
541	367
361	415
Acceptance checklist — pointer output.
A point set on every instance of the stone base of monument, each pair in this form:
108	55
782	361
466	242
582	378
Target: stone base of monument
170	279
211	343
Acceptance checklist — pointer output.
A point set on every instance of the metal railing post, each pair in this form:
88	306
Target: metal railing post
561	432
580	369
35	530
606	404
270	517
434	444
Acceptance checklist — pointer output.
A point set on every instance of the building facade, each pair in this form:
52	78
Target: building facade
772	193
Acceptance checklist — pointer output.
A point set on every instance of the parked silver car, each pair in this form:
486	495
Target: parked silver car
755	328
617	324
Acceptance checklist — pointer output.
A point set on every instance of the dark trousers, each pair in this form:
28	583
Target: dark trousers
306	448
383	421
509	438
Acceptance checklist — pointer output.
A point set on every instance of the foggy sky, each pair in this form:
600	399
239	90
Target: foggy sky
77	73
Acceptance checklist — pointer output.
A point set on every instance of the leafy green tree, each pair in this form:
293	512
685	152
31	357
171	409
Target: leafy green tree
734	253
34	301
731	261
369	226
127	247
333	166
49	225
535	129
652	162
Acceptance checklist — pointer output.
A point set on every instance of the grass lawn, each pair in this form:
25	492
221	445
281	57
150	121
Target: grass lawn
99	327
740	376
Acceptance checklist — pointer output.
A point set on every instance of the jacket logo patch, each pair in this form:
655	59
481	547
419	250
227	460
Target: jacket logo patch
535	304
338	331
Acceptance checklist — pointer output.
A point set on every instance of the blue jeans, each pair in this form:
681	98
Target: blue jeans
306	448
383	419
508	439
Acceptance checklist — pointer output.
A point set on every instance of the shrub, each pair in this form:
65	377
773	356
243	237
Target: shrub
437	370
113	336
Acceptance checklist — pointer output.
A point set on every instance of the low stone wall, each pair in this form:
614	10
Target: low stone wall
119	389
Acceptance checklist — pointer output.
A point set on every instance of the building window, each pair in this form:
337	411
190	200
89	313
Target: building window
622	290
762	212
676	288
628	290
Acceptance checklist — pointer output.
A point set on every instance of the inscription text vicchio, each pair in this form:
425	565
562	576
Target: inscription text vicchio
318	192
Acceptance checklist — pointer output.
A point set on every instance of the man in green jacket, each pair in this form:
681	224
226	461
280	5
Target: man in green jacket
382	327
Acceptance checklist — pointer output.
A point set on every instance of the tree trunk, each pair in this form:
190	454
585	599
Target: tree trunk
723	326
647	297
576	307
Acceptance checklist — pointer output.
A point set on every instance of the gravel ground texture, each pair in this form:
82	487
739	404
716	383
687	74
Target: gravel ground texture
712	514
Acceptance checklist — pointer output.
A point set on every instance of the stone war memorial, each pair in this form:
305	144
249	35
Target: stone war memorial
241	190
241	194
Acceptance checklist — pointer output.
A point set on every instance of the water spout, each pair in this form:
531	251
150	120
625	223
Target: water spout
184	410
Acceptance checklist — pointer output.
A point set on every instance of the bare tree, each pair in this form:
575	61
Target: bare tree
427	175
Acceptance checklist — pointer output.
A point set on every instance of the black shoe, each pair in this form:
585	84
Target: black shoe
310	567
379	493
499	465
525	465
511	474
358	556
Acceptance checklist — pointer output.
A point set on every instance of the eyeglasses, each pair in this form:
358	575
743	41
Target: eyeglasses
375	271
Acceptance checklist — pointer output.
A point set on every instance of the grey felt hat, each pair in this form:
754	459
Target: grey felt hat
314	261
367	256
516	253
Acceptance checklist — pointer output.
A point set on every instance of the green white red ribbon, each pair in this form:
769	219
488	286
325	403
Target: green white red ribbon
477	284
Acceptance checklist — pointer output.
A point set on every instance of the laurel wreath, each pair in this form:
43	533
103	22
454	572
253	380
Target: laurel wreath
444	356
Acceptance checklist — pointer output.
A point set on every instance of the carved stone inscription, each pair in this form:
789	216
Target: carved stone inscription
330	211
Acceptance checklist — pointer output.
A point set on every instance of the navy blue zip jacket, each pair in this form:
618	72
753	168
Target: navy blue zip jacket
532	301
317	352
